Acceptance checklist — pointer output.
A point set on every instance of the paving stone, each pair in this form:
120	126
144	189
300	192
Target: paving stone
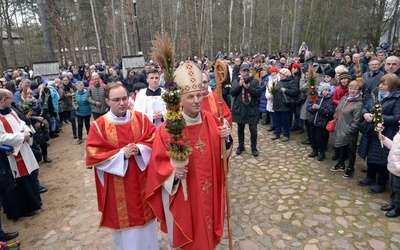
377	244
376	232
310	247
394	227
248	244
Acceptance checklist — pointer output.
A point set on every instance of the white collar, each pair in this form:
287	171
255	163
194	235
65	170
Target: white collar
118	119
192	121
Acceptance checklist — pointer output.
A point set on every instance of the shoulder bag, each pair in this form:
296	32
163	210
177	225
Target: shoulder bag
330	126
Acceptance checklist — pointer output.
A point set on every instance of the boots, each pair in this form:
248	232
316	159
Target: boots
313	153
53	134
295	127
300	130
47	159
321	156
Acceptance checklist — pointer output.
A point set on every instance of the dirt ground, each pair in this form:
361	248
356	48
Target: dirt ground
63	179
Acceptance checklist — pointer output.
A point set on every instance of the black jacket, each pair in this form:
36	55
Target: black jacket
245	113
321	116
292	90
370	146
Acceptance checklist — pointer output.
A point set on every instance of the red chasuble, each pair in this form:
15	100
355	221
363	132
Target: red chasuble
198	222
210	104
121	199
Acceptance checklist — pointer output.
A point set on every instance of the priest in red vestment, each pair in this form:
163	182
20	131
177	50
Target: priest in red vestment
210	101
119	148
198	222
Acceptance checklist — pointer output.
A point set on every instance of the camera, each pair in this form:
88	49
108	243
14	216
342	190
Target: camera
245	79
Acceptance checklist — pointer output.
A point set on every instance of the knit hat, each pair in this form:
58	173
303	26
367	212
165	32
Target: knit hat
344	75
296	66
274	69
330	72
188	77
285	72
325	86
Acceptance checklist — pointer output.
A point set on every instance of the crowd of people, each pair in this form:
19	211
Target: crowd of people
260	90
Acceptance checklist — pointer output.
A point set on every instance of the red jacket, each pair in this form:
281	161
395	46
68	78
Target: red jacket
340	91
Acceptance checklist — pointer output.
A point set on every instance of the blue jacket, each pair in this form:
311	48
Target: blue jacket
370	146
262	107
84	108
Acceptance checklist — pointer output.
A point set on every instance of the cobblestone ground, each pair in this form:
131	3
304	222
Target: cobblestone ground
279	200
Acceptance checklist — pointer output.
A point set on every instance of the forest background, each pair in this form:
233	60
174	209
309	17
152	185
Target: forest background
95	30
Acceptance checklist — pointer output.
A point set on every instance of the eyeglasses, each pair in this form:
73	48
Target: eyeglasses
117	100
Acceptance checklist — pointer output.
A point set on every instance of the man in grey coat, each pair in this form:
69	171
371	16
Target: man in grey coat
96	96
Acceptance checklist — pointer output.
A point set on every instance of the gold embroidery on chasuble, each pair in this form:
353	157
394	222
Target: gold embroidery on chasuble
200	145
91	151
213	106
206	186
120	199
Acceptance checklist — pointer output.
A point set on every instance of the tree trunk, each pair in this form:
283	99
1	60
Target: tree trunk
46	31
126	48
176	23
309	20
379	21
8	26
392	29
230	27
298	22
96	30
283	16
162	16
251	24
269	34
211	26
3	58
244	26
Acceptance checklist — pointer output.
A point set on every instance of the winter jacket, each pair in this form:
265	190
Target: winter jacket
262	107
270	98
292	89
321	116
245	113
55	98
97	94
346	130
84	108
370	146
340	91
370	81
66	101
394	154
305	88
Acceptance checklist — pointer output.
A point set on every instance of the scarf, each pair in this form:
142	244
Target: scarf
382	95
246	97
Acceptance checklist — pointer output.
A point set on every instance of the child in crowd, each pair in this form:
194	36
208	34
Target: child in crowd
329	78
393	209
321	111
